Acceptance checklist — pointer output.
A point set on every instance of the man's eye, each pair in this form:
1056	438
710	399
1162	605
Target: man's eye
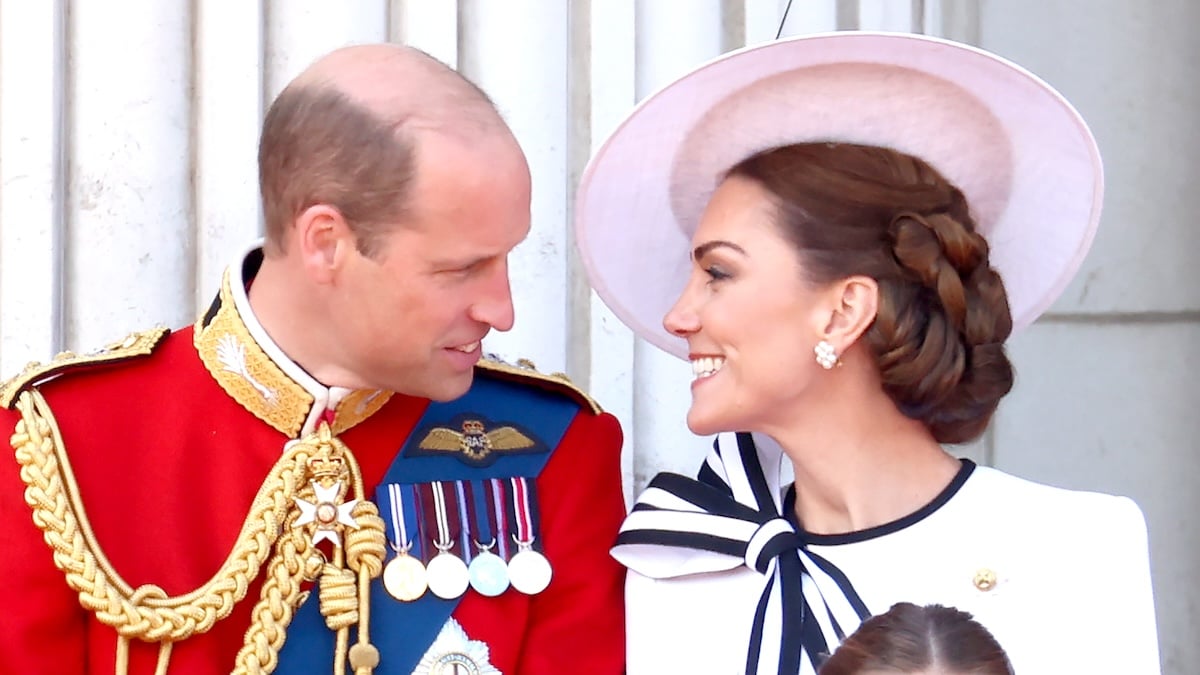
463	271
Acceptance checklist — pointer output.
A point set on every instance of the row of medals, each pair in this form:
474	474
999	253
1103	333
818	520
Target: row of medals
406	578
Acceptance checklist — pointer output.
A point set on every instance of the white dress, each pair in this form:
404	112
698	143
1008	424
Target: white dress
1060	578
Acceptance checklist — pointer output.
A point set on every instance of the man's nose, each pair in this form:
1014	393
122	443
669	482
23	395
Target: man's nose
495	306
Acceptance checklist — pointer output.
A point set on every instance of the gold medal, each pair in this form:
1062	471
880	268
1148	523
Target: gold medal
404	577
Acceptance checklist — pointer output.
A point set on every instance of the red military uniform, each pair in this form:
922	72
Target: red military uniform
169	450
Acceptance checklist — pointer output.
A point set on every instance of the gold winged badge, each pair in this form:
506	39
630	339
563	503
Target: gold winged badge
476	444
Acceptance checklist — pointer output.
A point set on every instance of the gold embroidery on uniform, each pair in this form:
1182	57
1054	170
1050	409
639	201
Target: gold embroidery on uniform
269	534
245	371
248	374
474	441
358	406
525	369
137	344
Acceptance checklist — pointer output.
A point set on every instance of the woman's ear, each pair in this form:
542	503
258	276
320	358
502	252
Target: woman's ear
854	302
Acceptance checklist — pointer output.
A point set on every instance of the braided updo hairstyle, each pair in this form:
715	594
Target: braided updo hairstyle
943	317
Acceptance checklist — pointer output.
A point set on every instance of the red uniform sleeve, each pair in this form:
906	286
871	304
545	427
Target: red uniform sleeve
42	626
578	624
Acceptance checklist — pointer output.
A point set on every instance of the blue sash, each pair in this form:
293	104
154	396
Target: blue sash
403	631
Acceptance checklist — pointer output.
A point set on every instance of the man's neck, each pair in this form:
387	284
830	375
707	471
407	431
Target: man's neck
272	292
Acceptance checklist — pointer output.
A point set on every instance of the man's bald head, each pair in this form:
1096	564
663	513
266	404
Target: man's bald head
403	86
344	133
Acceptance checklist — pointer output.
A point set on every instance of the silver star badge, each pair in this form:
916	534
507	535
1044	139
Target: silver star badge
326	513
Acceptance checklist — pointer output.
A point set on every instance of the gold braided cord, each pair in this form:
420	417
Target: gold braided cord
147	612
366	546
366	549
122	659
296	561
122	666
164	658
364	656
339	597
339	606
341	651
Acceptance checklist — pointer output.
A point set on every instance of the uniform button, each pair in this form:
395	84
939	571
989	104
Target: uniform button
985	579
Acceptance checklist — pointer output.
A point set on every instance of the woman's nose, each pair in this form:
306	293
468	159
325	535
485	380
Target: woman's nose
681	320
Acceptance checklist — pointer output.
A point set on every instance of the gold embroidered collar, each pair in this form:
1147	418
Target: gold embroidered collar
252	369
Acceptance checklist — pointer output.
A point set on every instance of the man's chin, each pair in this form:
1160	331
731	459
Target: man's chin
448	388
435	384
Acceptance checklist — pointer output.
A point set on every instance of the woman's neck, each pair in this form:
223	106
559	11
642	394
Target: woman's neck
862	465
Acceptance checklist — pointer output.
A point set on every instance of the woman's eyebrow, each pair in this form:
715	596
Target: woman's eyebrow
707	246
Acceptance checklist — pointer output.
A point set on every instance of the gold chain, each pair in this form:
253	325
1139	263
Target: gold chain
147	613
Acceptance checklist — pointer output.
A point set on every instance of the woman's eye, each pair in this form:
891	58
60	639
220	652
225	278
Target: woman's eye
715	273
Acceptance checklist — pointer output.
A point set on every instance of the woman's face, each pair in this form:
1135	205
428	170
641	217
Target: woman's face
750	318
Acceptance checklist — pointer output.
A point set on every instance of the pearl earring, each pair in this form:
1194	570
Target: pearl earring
827	357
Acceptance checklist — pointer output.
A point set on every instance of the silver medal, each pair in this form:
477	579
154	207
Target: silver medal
529	571
447	575
489	574
404	578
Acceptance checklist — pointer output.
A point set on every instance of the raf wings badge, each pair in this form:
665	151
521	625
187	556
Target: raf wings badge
475	440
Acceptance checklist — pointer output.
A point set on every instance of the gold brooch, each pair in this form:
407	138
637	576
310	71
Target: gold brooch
985	579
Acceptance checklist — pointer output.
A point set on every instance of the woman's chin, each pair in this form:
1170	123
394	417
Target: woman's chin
705	424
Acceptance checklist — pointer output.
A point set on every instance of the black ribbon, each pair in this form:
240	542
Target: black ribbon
715	521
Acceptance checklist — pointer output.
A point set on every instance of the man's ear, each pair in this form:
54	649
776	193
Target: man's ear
853	303
323	239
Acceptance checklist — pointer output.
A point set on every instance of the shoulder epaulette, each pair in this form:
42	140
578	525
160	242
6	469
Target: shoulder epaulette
524	369
135	345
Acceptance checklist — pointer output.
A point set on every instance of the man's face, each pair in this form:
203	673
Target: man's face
412	316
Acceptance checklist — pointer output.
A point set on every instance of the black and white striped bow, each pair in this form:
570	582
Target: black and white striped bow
807	605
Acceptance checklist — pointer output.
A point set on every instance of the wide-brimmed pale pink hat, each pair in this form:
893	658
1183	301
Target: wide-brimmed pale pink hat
1021	154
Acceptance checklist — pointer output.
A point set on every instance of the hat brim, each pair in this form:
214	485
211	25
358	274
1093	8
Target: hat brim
1024	158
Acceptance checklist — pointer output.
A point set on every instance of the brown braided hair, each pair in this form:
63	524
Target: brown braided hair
909	639
943	317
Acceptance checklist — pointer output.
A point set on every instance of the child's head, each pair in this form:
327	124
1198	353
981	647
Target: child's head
929	640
